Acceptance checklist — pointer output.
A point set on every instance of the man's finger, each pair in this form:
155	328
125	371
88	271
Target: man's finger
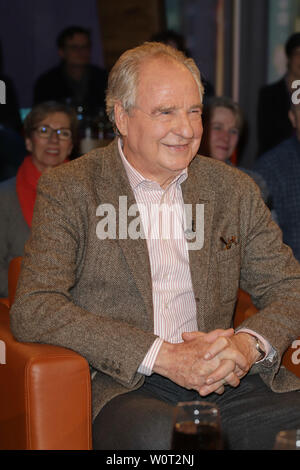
224	372
224	348
214	388
218	345
191	335
215	334
220	390
209	337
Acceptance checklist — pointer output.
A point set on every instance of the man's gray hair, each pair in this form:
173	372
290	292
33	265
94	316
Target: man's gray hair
123	77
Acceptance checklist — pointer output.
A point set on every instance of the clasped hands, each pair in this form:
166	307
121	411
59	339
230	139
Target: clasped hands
207	361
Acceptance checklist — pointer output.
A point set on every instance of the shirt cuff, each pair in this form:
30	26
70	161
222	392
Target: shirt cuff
146	366
269	350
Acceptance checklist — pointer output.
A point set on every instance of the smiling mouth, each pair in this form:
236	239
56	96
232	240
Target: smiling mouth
52	151
177	146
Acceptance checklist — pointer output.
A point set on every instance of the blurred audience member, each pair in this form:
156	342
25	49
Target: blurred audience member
75	80
280	167
223	124
49	132
12	152
171	38
274	101
176	40
12	146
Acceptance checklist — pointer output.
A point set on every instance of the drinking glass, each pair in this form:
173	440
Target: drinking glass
288	440
197	426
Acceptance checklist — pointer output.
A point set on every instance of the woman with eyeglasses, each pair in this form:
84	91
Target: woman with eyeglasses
50	131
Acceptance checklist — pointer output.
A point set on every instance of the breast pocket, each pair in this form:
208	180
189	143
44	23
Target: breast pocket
229	273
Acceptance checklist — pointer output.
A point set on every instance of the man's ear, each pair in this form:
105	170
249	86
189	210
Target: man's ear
121	119
292	118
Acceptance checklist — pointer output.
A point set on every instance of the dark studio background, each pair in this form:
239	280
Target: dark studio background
229	39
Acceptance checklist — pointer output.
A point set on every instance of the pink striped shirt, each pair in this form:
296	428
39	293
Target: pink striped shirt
162	214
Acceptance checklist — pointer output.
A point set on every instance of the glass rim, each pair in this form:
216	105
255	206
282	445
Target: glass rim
287	433
285	436
198	403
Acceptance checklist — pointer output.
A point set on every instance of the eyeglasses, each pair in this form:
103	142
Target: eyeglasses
46	132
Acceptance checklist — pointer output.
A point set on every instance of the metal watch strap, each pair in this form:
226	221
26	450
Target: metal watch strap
258	348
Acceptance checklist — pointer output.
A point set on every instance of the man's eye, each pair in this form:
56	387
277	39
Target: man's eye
195	114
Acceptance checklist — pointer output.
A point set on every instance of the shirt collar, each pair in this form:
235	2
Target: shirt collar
136	179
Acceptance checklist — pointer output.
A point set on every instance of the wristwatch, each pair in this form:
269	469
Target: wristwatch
259	349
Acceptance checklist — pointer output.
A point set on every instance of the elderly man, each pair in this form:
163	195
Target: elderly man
135	259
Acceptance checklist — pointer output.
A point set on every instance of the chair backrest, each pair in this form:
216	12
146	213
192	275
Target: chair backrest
13	276
244	308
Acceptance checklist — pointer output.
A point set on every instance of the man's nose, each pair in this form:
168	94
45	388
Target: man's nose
183	125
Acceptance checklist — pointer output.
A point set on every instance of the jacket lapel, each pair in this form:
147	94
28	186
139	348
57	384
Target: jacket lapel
194	194
113	184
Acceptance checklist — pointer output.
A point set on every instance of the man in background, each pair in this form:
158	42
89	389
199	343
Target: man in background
280	168
75	80
274	101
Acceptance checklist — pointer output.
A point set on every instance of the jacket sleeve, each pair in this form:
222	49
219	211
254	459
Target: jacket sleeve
44	310
271	274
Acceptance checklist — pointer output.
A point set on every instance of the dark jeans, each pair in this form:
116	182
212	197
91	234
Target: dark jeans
251	415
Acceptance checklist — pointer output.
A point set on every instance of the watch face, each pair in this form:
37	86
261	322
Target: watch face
259	349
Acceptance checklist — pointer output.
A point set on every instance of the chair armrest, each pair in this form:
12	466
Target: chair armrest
5	301
245	309
45	395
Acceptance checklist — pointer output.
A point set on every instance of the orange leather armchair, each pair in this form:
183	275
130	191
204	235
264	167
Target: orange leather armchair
244	309
45	391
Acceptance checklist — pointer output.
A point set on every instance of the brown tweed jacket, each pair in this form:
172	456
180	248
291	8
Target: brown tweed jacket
94	296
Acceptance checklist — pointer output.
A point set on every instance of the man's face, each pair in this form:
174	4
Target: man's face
294	63
162	132
76	50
